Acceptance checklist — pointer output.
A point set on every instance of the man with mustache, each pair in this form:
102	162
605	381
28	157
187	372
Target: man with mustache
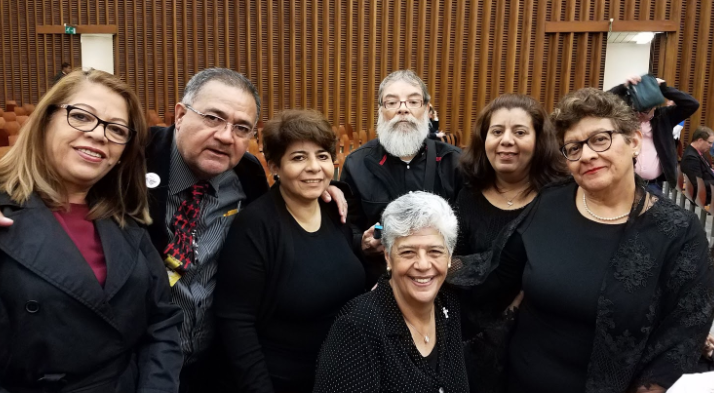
400	160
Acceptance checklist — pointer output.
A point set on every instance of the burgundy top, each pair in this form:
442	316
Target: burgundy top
85	237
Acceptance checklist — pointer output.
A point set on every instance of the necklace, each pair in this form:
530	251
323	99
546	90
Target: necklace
587	209
426	336
509	202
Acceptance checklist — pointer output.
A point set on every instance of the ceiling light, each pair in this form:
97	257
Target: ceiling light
644	38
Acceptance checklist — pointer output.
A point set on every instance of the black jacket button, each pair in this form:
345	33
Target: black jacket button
32	306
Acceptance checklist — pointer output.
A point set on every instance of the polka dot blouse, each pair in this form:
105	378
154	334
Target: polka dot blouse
370	349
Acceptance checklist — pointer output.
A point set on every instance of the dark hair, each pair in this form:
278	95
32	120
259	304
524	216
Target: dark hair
547	164
223	75
296	125
65	65
702	132
591	102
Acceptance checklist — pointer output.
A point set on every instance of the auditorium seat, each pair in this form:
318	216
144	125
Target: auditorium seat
169	117
350	132
4	141
22	120
12	128
20	111
10	105
253	147
362	137
263	162
29	108
9	116
346	142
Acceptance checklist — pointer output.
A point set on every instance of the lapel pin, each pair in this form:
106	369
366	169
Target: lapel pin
152	180
446	312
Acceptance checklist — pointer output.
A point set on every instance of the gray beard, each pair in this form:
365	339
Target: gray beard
402	139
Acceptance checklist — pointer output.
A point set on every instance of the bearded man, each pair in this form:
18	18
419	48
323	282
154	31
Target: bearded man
400	160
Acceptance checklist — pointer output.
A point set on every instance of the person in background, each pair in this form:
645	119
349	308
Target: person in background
84	296
658	159
66	69
694	164
404	336
288	265
434	132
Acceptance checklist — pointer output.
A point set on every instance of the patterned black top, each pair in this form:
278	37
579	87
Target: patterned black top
370	349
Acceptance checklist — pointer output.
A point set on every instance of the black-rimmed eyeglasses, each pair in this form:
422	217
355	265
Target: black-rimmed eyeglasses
598	142
85	121
218	123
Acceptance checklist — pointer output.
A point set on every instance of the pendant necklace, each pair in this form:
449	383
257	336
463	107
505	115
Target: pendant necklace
509	202
426	336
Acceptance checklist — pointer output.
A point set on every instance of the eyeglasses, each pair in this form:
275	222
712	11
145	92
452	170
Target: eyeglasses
410	104
219	123
599	142
85	121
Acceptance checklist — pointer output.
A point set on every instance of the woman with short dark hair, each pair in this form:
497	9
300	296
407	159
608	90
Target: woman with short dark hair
287	266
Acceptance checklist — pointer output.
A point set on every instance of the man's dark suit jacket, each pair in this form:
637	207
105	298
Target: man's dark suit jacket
158	160
694	165
212	369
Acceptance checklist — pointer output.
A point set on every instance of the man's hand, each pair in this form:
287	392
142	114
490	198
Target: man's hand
334	193
708	347
4	221
633	80
370	245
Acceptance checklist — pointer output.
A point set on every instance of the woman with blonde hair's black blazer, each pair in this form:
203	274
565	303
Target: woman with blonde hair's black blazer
84	297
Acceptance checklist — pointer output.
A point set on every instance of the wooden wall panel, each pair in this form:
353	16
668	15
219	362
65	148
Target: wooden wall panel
332	55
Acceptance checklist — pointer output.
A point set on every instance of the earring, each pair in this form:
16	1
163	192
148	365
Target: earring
389	269
276	177
449	265
636	154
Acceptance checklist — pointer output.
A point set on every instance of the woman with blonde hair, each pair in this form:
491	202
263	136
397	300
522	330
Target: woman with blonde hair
84	297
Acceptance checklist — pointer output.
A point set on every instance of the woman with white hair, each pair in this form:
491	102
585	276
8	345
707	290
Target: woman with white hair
405	336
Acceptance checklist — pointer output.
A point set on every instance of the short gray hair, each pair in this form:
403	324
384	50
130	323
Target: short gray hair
415	211
408	76
222	75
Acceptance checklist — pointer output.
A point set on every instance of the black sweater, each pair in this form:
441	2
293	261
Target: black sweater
275	302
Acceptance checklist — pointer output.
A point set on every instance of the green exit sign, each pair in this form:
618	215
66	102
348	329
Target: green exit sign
70	30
